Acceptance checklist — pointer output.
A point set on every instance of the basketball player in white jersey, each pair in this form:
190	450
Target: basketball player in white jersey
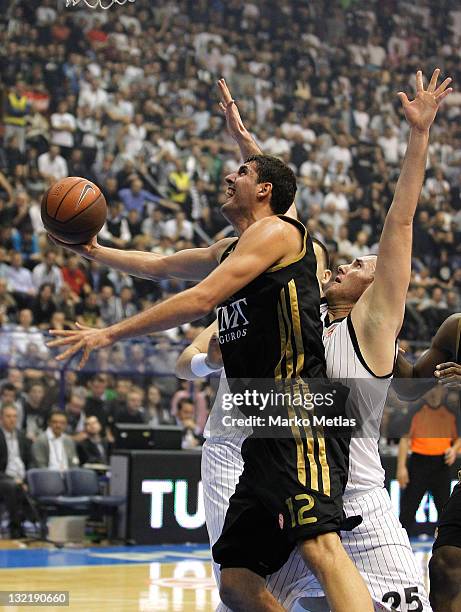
365	311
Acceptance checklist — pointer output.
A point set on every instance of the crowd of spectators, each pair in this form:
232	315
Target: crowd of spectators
127	97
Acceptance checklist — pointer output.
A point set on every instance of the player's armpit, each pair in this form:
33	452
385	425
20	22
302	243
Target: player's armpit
375	335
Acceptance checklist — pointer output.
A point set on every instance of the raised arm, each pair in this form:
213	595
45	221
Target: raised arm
188	264
378	315
239	132
263	244
235	125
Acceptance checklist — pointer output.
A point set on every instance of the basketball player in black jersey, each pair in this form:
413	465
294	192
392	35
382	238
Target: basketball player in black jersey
268	306
445	564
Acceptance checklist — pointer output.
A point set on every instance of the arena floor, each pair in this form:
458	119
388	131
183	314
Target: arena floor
120	579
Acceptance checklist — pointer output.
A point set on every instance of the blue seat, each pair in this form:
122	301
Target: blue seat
48	488
84	482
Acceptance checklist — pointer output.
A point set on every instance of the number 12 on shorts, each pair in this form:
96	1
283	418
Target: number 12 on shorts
300	517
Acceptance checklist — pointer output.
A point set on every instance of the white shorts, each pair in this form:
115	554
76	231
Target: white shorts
379	547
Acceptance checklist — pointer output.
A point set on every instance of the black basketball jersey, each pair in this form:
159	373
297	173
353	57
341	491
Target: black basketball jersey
271	328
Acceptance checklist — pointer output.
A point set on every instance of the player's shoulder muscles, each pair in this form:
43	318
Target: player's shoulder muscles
274	237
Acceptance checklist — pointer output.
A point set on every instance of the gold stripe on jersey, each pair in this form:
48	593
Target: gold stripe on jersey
283	344
302	388
324	464
311	456
289	346
296	318
300	460
286	354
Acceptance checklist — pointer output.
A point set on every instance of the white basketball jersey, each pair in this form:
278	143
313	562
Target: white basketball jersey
216	429
367	398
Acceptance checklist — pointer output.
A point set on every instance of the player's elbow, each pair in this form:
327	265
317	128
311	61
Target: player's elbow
182	368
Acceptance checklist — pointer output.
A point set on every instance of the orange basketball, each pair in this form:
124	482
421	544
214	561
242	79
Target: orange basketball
73	210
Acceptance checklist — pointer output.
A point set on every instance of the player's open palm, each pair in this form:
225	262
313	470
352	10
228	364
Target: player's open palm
421	112
230	110
85	339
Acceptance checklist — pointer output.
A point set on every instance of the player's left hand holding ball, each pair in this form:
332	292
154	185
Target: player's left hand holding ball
80	249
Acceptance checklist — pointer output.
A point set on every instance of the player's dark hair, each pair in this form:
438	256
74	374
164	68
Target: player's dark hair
326	254
272	170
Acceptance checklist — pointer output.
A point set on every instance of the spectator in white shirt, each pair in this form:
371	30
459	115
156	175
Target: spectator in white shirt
92	95
52	166
135	135
344	244
361	118
360	246
376	52
47	272
63	125
337	197
437	186
20	281
25	334
54	449
389	144
179	228
339	153
276	145
311	169
264	104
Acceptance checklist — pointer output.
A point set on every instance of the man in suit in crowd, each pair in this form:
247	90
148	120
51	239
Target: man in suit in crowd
54	449
95	448
14	461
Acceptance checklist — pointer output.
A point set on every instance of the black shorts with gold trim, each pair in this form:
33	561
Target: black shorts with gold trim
290	490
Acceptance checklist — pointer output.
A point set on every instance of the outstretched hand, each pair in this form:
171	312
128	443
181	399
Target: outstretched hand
79	249
420	112
84	339
230	110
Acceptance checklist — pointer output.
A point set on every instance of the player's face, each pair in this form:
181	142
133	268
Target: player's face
352	280
241	192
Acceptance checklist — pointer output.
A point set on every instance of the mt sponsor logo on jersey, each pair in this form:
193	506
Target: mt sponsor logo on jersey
232	321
